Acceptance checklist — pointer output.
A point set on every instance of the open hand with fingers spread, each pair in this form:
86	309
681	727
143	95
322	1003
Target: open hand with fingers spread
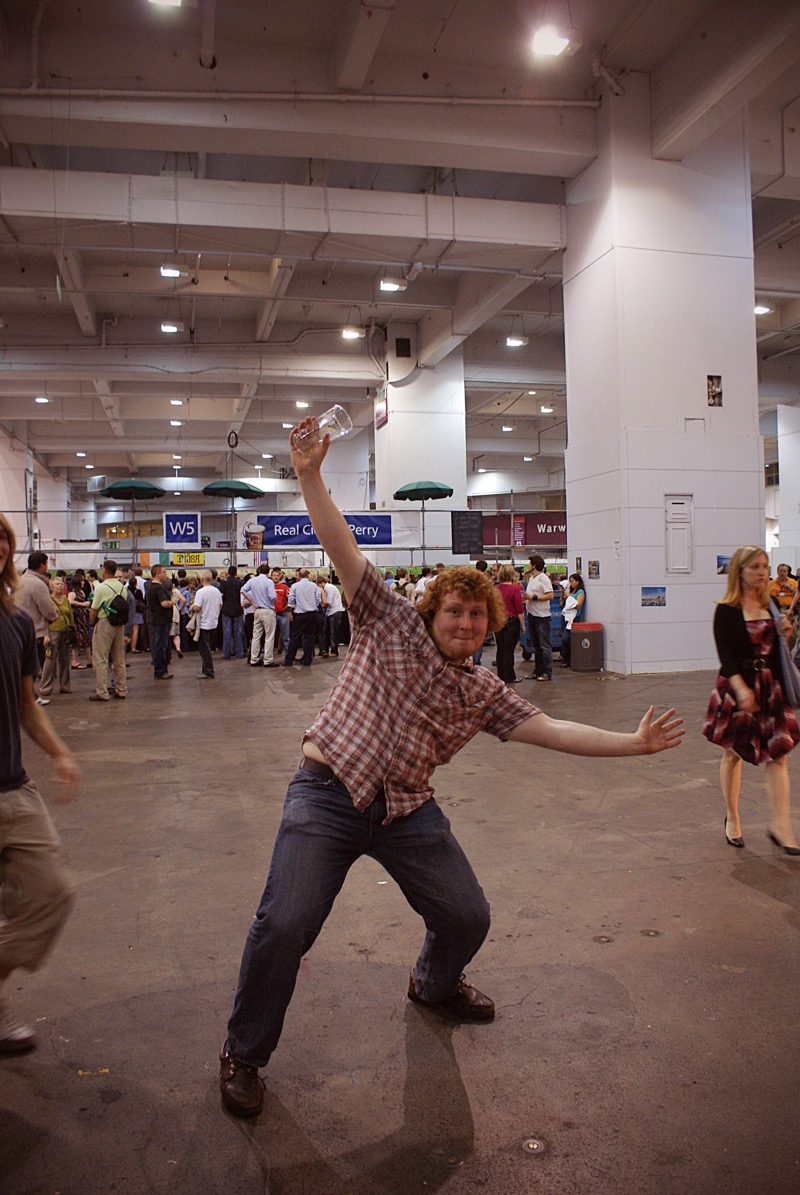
658	734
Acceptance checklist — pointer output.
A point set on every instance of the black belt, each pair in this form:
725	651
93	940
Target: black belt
319	769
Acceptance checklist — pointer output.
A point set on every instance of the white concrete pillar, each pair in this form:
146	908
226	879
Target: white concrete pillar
789	471
658	295
16	490
423	439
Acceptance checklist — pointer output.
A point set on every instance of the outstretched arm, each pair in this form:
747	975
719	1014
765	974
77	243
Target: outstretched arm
575	738
333	533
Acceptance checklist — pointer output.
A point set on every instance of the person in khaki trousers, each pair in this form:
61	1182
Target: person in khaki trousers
107	640
36	887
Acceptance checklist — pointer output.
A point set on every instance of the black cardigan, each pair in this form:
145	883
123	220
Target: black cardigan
735	647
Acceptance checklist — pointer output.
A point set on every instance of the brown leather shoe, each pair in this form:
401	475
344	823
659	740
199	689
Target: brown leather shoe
466	1003
242	1090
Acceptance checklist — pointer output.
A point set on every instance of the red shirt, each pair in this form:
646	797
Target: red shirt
399	709
512	597
281	596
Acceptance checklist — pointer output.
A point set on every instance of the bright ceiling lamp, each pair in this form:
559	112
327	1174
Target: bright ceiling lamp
81	454
353	332
545	410
171	325
176	402
301	405
506	428
516	338
287	426
762	309
528	459
176	456
41	399
551	42
167	3
392	284
266	456
175	423
172	269
88	466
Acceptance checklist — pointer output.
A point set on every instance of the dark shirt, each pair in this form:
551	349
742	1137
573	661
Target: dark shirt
17	659
160	616
735	647
231	597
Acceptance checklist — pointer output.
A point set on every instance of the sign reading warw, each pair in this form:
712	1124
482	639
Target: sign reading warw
181	531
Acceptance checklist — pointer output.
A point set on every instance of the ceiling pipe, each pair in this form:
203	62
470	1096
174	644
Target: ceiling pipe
207	57
291	97
37	21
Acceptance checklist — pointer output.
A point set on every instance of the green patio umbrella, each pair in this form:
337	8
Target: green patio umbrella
128	490
423	491
229	487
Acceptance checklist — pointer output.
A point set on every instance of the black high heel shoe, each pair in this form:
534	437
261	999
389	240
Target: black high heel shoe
737	842
787	850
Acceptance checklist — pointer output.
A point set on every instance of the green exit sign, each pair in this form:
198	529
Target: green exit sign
110	545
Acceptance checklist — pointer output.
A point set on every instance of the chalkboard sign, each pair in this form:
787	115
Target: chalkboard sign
466	527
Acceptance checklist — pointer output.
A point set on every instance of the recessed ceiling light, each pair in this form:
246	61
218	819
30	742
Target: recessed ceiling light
266	456
80	454
545	409
516	341
287	426
88	466
506	428
527	458
172	325
41	399
302	405
175	423
762	309
176	402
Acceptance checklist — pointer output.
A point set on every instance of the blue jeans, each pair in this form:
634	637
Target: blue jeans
160	649
539	631
285	628
320	837
232	634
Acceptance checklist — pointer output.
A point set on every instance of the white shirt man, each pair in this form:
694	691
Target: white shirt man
538	596
208	604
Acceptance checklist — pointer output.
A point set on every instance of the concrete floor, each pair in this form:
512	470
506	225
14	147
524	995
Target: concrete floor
646	974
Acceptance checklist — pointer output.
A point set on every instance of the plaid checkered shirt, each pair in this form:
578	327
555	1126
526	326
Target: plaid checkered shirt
399	708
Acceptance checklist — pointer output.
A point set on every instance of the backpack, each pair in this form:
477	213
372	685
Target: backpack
116	610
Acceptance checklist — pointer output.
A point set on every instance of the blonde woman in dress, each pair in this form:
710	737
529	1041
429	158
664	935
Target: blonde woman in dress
748	715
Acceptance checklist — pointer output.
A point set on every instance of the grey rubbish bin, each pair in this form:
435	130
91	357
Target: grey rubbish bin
587	646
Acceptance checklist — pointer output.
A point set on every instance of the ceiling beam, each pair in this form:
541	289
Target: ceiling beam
110	405
269	310
556	138
479	297
733	53
360	31
355	218
69	267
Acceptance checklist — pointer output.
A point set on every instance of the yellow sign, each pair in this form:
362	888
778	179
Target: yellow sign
188	559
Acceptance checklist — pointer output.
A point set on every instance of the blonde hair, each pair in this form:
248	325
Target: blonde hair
9	580
739	560
507	573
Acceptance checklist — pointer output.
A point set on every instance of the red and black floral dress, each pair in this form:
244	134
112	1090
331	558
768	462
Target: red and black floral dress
769	733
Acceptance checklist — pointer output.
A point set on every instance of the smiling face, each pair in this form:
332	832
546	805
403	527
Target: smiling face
459	627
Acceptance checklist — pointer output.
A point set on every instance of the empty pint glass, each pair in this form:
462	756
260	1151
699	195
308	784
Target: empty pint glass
335	422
